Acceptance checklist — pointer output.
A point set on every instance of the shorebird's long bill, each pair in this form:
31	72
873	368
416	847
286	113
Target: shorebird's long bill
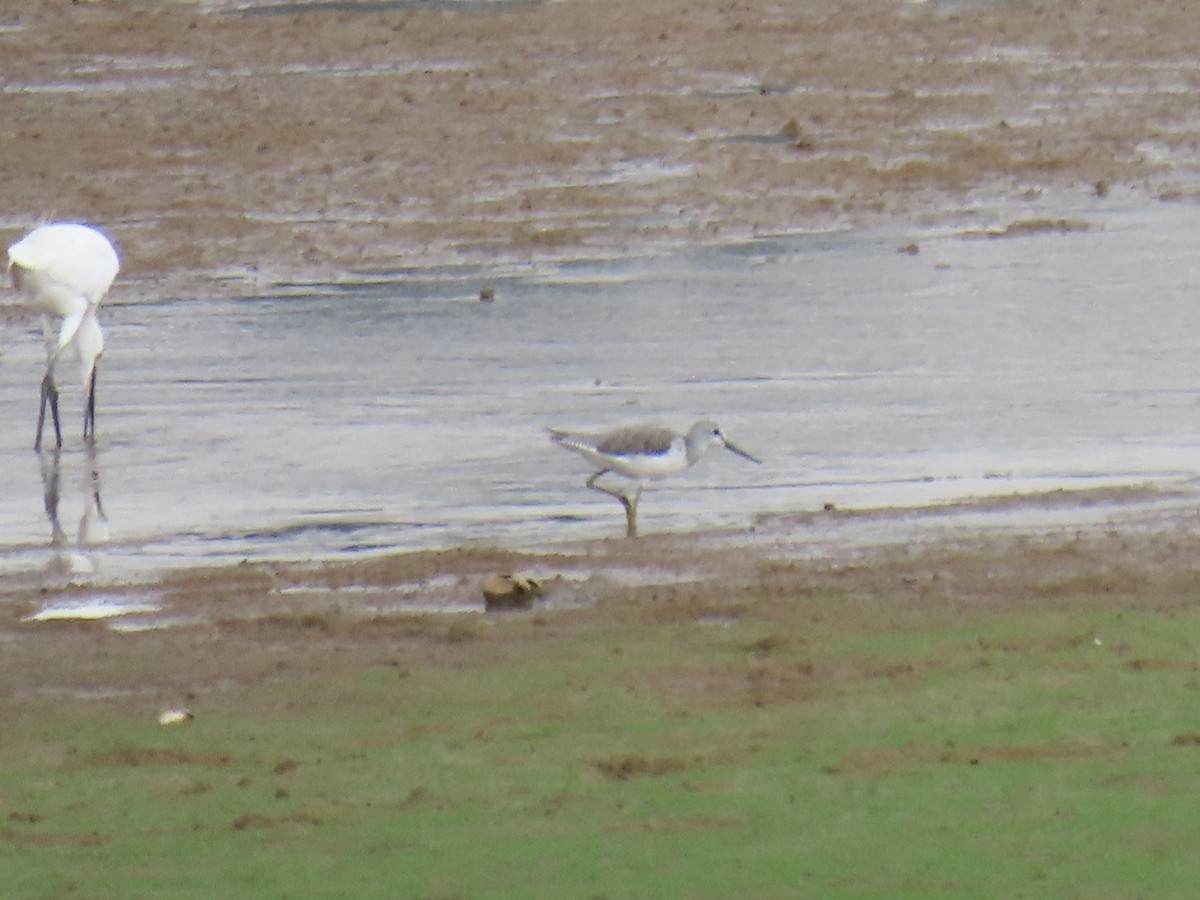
733	448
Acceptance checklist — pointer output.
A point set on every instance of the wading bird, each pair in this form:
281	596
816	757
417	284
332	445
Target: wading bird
63	270
642	453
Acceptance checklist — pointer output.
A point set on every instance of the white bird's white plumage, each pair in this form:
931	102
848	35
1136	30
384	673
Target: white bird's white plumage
68	265
63	270
643	453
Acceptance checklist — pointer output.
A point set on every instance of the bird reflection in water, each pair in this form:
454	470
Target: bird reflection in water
71	558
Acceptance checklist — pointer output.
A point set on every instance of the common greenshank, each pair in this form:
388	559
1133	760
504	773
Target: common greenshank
641	453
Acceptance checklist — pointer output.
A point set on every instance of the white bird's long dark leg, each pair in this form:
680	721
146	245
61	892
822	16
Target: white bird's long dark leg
89	410
49	396
49	389
630	505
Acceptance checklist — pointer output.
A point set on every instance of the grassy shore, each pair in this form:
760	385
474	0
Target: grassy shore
1011	718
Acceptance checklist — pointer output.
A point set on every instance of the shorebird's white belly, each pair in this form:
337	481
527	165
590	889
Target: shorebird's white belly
642	466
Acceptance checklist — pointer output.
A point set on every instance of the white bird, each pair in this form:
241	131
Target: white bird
643	452
64	270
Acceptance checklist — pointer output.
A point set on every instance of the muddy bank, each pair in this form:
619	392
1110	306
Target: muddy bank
231	141
216	628
223	148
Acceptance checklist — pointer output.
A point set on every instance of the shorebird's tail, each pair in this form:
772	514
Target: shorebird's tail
569	439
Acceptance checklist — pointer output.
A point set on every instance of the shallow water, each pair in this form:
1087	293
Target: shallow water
395	410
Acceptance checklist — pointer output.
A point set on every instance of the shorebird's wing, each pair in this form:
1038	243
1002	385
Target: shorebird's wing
636	440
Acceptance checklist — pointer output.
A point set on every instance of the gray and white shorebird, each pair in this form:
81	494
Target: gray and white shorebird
63	270
642	453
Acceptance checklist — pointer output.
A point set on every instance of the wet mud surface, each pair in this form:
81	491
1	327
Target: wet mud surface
230	148
1133	549
401	413
226	144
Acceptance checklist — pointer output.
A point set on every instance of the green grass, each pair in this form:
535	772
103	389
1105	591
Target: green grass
992	755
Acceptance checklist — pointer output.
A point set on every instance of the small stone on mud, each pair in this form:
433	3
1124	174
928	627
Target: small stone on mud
502	592
790	130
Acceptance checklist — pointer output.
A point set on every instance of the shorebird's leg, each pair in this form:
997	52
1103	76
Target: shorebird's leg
629	505
89	411
591	482
49	395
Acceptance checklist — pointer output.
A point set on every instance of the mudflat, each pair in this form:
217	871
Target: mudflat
226	143
231	142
